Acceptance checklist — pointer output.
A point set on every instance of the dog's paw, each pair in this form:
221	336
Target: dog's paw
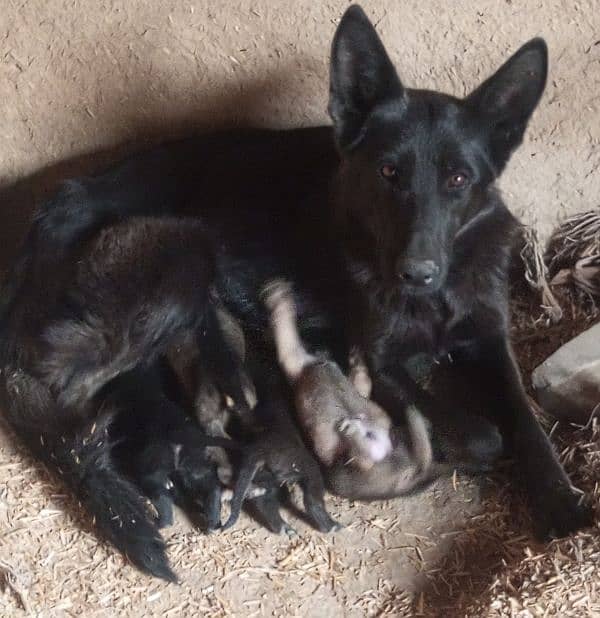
560	513
336	527
322	521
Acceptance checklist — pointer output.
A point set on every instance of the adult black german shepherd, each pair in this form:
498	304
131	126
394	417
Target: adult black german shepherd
390	227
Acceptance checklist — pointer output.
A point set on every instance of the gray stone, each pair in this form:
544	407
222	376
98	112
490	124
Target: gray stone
567	384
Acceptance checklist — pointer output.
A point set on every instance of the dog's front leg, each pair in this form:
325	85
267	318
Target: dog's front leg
557	508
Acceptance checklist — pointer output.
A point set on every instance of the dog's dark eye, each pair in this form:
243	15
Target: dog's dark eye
457	181
389	172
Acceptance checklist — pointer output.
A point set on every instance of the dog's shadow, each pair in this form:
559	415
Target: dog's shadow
461	581
234	103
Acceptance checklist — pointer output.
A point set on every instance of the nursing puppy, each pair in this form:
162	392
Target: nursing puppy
340	423
210	369
408	467
277	457
162	448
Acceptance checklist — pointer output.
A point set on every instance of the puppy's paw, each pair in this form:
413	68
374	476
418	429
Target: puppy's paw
288	531
349	427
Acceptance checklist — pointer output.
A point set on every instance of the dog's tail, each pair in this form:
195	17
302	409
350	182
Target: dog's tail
249	468
82	456
279	300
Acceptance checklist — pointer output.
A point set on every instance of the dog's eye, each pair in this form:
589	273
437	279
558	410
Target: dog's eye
389	172
457	181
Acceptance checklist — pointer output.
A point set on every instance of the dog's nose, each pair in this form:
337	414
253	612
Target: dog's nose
419	272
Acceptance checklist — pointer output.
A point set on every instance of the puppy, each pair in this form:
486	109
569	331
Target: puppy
164	450
278	457
402	471
211	372
341	424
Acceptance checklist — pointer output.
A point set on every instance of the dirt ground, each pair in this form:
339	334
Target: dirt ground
82	82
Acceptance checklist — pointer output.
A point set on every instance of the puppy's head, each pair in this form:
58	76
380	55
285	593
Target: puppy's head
367	442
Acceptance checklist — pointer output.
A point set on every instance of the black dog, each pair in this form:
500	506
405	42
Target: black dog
395	240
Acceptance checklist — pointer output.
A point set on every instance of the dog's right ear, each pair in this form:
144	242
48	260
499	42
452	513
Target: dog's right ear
361	76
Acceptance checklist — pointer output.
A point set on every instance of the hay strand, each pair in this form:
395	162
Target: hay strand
573	255
536	273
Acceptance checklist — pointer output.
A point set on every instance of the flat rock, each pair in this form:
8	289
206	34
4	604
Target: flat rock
567	384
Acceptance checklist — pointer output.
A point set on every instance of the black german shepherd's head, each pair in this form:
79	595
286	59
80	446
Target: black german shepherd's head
417	166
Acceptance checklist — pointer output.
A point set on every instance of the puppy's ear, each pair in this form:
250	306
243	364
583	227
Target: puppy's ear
361	76
505	101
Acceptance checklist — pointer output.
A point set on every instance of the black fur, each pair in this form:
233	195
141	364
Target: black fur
163	449
278	451
134	290
389	227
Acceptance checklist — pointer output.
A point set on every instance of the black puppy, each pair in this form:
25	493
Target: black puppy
163	449
389	227
277	457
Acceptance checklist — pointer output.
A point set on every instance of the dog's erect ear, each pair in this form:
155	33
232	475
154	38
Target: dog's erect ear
361	75
506	100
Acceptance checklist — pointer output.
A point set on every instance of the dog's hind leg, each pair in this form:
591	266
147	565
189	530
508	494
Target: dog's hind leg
132	299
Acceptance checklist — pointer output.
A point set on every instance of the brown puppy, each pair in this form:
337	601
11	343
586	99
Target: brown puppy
341	424
402	471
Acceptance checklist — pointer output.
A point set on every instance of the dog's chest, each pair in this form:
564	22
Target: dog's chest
432	327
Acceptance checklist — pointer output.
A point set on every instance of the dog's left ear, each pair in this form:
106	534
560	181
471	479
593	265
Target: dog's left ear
505	101
361	76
